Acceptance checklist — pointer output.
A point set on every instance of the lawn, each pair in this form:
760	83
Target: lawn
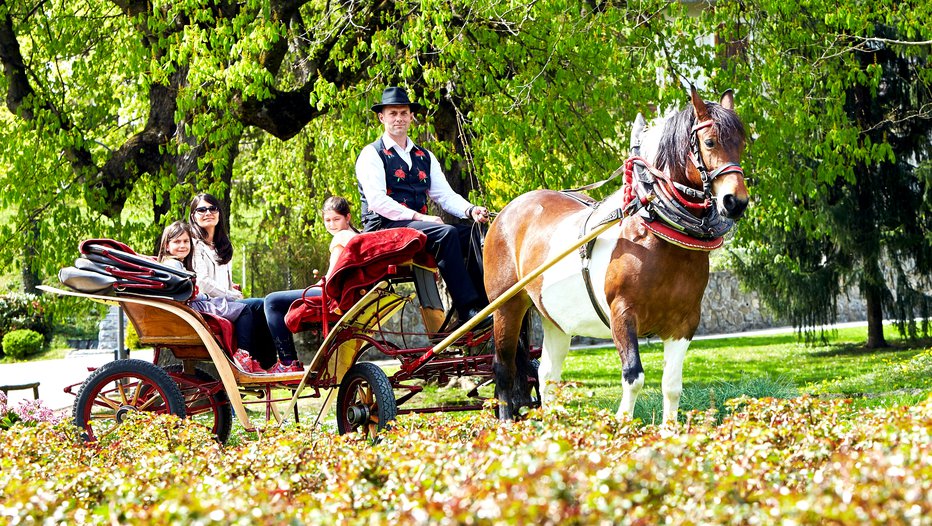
779	365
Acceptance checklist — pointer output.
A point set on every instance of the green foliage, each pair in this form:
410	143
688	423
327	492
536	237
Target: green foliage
24	311
836	97
803	460
268	107
131	337
21	343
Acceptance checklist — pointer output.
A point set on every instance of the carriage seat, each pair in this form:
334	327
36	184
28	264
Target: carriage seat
368	258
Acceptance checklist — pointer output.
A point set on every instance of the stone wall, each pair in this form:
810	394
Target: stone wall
108	330
726	308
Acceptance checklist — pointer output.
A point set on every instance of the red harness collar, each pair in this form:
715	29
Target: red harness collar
680	239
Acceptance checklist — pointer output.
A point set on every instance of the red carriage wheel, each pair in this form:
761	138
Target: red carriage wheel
212	410
365	401
120	387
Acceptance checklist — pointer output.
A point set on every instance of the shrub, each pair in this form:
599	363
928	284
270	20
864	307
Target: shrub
21	343
131	338
24	311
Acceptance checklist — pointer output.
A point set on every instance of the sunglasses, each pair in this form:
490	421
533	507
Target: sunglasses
206	210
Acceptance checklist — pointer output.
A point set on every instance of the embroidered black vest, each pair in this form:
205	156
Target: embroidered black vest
406	185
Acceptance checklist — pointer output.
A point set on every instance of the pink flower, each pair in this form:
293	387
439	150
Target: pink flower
421	175
400	174
419	153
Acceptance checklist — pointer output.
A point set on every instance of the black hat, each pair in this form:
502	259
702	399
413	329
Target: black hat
395	96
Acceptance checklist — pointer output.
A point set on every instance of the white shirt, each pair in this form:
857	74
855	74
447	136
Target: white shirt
213	279
370	172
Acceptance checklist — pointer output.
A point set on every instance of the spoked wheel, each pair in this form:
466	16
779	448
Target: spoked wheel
365	402
120	387
211	410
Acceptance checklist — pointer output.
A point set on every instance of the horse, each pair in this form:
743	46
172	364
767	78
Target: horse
644	275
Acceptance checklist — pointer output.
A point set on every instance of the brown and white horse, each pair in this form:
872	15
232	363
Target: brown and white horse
645	280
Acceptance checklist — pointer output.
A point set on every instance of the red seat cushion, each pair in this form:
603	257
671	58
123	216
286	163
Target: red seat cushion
366	260
222	329
305	314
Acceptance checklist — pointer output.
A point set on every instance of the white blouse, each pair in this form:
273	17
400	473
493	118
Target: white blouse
213	279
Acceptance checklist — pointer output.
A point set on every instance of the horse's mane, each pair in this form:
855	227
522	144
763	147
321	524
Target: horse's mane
674	147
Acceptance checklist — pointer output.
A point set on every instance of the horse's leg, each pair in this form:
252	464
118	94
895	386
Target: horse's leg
555	347
674	352
625	334
511	388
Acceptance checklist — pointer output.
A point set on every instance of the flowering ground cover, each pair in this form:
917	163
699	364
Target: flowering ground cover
783	456
801	460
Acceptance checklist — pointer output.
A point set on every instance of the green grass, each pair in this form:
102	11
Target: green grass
780	366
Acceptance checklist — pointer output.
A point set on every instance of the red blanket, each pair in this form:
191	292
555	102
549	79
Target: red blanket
365	260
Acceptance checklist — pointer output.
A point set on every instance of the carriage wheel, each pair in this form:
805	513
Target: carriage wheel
211	410
365	401
120	387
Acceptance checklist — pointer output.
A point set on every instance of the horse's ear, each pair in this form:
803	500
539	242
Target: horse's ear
702	113
728	100
636	130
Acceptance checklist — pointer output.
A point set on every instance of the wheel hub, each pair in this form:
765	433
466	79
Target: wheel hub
123	411
357	415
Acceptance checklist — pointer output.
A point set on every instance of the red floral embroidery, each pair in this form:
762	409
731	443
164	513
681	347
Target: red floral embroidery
423	209
388	191
421	175
388	152
404	203
400	174
419	153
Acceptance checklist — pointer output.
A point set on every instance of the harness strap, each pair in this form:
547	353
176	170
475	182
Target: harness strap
585	253
618	171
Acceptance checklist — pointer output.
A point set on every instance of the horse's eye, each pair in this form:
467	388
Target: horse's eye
709	143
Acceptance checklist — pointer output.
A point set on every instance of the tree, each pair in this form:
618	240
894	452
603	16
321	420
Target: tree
120	110
841	107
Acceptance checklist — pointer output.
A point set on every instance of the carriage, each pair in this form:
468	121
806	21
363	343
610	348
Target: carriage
366	290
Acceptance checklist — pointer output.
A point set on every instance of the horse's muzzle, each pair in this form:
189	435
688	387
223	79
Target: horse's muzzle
732	207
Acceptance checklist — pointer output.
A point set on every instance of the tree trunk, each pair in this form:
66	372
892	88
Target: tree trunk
447	129
875	338
29	274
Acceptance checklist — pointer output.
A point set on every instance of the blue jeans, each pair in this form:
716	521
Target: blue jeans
252	332
276	306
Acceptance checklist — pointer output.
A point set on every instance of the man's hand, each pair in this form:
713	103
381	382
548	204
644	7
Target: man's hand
479	214
427	218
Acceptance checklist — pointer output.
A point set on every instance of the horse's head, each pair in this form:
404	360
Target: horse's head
701	147
717	143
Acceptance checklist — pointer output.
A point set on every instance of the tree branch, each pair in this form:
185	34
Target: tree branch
21	98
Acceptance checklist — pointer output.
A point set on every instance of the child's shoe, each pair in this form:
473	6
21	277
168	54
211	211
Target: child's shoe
246	362
293	367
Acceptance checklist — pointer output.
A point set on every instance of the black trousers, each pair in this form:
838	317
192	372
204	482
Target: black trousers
449	244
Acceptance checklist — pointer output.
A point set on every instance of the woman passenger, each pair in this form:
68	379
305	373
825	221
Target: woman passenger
213	253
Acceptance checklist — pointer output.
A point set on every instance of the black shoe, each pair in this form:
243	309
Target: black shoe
485	323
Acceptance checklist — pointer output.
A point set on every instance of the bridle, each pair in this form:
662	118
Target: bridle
654	196
696	158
